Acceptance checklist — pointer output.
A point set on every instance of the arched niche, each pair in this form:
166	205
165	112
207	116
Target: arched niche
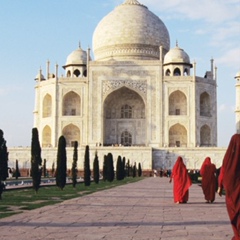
177	103
205	136
205	105
71	134
71	104
177	136
47	106
47	137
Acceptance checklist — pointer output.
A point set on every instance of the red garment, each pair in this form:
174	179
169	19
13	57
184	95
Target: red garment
229	179
209	181
182	181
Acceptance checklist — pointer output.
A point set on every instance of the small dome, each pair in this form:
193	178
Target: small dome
176	55
78	57
37	78
130	31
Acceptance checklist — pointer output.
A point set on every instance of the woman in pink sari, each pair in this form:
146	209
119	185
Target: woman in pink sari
182	181
229	179
209	180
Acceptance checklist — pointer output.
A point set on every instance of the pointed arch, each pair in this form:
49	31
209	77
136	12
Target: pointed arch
205	105
71	133
177	136
76	73
168	72
47	136
71	104
177	103
68	73
124	112
47	106
177	72
205	136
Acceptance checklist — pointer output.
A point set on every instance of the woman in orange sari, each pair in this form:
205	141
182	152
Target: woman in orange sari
229	179
182	181
209	180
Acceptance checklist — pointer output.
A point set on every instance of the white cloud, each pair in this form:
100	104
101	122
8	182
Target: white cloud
224	108
213	11
225	34
230	58
3	92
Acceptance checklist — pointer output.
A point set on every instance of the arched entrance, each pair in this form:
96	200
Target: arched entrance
124	118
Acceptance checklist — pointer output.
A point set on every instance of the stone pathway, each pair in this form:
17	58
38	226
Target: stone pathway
138	211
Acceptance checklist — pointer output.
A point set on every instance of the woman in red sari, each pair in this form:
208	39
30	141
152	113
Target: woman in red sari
229	179
182	181
209	181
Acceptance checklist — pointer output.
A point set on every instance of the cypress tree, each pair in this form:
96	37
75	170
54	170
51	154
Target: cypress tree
36	160
87	171
61	172
119	173
139	170
3	162
128	168
134	170
44	168
74	164
17	172
53	169
110	168
105	168
123	167
96	169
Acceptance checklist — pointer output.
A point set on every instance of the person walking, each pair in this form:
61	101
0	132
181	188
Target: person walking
229	180
181	181
209	180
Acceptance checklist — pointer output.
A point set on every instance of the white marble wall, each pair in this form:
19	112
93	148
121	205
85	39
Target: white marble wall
148	157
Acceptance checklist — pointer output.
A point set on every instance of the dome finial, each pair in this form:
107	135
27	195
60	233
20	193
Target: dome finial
79	44
133	2
176	43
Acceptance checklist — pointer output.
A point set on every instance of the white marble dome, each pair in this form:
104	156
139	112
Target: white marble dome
77	57
130	31
176	55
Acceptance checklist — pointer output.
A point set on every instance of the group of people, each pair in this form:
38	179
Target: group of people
228	180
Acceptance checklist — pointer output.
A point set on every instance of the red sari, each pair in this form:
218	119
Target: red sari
182	181
229	179
209	182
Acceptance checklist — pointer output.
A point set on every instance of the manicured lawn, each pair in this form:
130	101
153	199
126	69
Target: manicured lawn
19	200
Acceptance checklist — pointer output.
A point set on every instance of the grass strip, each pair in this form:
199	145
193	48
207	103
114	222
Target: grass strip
19	200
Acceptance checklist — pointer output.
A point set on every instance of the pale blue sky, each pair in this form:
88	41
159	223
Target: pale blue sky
34	31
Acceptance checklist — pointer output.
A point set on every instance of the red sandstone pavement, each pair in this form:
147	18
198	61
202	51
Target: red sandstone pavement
143	211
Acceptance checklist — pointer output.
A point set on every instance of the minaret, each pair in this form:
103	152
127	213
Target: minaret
38	79
237	110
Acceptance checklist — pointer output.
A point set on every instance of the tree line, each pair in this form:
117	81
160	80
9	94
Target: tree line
38	169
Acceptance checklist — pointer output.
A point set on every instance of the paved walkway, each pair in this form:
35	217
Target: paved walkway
143	211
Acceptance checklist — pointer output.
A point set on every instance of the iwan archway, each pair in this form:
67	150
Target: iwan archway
124	118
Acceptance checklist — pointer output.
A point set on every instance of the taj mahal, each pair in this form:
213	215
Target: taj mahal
136	97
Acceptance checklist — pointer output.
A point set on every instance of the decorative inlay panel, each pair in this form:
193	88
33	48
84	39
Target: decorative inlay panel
138	85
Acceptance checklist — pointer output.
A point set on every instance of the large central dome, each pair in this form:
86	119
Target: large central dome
130	31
